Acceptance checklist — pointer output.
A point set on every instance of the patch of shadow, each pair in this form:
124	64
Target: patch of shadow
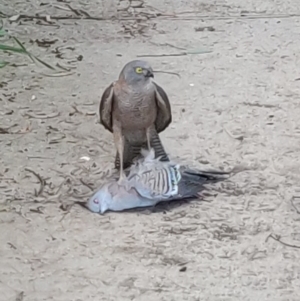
161	207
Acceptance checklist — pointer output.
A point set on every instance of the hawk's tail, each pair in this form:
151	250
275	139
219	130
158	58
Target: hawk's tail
132	152
158	148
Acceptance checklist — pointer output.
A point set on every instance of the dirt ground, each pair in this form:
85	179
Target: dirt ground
236	105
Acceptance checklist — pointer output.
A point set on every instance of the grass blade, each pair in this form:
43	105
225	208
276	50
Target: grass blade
3	64
22	50
22	46
44	63
2	32
1	24
11	48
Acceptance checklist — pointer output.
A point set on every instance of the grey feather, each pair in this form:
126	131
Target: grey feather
143	188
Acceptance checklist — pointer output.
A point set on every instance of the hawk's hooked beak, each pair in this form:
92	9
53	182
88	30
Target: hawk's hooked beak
148	73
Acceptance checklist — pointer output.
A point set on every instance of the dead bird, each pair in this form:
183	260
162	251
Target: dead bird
150	181
135	109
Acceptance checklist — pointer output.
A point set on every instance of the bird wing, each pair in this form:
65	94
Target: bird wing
154	179
106	107
157	180
164	114
193	181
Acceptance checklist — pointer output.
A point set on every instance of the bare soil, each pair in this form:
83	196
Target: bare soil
236	105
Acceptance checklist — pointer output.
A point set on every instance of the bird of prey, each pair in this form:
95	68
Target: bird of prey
135	109
150	181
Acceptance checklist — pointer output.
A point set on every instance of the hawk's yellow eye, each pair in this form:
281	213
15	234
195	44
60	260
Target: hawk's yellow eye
139	70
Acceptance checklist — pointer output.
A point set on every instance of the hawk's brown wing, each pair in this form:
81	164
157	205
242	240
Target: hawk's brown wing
164	114
106	107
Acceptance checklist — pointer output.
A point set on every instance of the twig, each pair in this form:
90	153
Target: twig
53	115
37	210
63	68
87	17
12	246
80	196
67	209
39	22
40	157
76	110
75	11
64	215
87	185
42	182
163	15
78	12
203	28
158	13
292	202
277	238
240	138
168	72
173	46
61	7
85	13
238	17
140	5
45	18
58	189
57	140
59	74
175	54
259	105
161	55
124	8
167	44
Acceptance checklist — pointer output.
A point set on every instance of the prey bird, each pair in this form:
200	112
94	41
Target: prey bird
150	181
135	109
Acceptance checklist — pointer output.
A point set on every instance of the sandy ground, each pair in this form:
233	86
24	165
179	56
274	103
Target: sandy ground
238	104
